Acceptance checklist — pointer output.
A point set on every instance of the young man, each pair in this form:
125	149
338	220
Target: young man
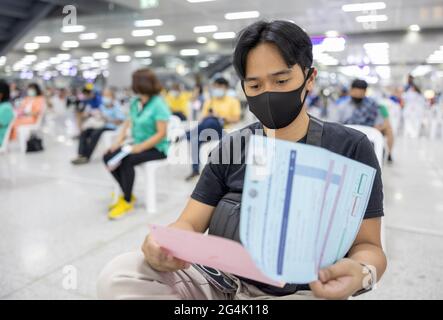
274	61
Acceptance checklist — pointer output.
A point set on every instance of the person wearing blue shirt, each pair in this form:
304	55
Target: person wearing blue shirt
106	117
357	108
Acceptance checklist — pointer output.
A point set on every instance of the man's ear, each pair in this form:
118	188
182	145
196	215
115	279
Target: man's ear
311	81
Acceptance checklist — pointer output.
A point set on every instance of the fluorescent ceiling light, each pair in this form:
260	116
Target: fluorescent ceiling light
88	36
203	64
414	28
332	34
30	58
189	52
54	60
105	45
72	29
198	1
150	43
224	35
70	44
148	23
64	56
87	59
147	62
367	6
142	54
142	33
205	29
165	38
333	44
42	39
115	41
100	55
123	58
242	15
372	18
31	46
421	71
202	40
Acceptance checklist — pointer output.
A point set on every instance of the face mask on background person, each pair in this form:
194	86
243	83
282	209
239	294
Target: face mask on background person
357	100
217	92
31	92
107	101
276	110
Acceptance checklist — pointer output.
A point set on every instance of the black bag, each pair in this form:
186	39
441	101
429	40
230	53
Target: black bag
34	144
225	220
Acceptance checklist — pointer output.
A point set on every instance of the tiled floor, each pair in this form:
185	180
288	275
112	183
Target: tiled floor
53	218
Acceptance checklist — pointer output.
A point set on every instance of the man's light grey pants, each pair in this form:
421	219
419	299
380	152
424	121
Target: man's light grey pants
130	277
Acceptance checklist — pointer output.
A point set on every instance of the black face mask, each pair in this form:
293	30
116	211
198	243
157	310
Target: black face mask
276	110
357	100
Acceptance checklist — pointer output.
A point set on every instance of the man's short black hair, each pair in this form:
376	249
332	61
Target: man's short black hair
4	90
359	84
222	81
293	42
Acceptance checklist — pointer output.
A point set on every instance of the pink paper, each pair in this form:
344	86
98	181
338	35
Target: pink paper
215	252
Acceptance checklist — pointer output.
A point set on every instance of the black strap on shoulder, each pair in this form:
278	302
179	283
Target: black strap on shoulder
315	132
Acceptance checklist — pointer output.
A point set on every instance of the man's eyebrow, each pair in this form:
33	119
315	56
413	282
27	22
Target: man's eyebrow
277	73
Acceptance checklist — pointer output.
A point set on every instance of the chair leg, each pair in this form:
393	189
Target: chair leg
23	136
151	190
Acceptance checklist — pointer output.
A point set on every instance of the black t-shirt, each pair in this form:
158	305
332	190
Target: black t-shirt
221	177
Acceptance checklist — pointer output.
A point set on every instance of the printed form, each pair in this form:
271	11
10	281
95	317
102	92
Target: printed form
302	207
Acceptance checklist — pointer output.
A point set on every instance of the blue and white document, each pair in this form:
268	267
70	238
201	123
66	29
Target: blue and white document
302	207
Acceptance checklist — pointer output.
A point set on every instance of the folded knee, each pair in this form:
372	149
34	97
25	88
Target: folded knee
114	277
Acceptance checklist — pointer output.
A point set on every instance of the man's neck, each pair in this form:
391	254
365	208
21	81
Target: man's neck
294	131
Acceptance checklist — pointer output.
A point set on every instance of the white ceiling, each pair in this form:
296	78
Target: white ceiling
316	16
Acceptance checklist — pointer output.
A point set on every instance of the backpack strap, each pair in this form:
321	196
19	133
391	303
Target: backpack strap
315	132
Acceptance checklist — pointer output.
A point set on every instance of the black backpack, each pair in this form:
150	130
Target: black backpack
34	144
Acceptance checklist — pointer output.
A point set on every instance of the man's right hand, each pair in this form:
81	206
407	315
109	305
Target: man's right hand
159	259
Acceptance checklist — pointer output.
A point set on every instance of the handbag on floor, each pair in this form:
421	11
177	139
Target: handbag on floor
34	144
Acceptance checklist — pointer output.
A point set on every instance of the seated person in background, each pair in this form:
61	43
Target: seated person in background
30	108
148	119
357	108
108	118
6	112
88	100
219	111
178	101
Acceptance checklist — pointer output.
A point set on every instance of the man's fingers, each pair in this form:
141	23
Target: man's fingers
333	272
329	290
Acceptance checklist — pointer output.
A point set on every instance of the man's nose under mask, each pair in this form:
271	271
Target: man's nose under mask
276	110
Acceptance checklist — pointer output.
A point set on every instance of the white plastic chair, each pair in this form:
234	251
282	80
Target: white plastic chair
24	131
394	110
436	123
5	142
175	129
378	142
